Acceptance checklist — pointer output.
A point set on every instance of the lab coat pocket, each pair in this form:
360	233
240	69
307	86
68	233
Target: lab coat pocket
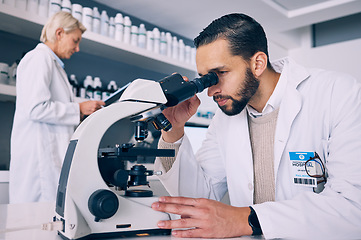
59	136
322	151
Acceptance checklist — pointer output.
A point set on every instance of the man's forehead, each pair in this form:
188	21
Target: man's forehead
212	57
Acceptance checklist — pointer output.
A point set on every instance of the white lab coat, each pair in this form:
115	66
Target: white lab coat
45	118
320	111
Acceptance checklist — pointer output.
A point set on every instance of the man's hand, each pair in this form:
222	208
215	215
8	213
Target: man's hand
88	107
203	218
178	116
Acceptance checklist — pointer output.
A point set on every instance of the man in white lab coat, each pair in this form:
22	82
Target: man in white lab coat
46	114
274	123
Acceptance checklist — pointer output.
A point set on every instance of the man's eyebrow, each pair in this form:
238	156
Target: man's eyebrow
214	70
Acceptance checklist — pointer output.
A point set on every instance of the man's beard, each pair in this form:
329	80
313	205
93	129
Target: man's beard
245	93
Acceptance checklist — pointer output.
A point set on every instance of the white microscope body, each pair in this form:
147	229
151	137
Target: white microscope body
87	205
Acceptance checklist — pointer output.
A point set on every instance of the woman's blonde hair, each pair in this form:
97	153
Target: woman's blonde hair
62	20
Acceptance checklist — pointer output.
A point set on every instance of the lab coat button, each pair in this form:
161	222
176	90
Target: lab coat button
250	186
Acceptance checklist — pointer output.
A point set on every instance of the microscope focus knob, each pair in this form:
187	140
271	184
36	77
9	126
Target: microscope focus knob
103	204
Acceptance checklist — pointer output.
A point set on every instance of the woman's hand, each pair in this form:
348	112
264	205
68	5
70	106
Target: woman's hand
88	107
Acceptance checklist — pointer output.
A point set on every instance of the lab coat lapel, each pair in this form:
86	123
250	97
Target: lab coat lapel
290	106
239	151
245	142
247	163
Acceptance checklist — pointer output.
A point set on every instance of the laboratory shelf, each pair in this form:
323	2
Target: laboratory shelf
7	92
28	24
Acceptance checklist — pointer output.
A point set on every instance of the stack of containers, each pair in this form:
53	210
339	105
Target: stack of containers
96	20
4	73
77	11
8	73
66	6
119	27
91	88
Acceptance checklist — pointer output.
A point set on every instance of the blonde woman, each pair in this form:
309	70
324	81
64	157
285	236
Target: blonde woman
46	114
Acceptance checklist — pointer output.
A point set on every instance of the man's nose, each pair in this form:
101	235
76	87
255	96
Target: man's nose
212	90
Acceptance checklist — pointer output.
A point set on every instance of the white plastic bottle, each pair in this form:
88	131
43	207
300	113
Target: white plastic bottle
119	27
105	93
97	85
88	85
12	73
193	55
54	7
43	8
111	32
134	36
187	54
81	91
4	73
150	41
156	37
104	23
32	6
20	4
127	26
74	84
66	6
142	36
175	49
96	20
163	44
168	36
87	19
181	47
10	2
112	87
77	11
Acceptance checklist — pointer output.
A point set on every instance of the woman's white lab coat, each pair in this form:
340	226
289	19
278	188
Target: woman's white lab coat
320	111
45	118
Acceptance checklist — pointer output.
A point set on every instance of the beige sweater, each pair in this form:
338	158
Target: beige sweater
262	132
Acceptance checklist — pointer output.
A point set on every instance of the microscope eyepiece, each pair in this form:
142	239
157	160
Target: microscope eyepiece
177	90
205	81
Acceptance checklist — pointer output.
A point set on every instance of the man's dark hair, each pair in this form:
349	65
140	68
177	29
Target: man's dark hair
245	35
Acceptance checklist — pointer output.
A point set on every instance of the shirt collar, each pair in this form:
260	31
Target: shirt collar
61	63
274	101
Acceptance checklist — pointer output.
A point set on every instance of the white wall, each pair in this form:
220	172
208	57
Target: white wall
342	57
276	51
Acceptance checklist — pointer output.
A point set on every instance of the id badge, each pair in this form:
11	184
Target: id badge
299	174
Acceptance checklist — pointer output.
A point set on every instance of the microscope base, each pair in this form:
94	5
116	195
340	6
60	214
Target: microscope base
125	234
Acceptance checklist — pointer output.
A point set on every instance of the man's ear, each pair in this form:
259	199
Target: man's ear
258	63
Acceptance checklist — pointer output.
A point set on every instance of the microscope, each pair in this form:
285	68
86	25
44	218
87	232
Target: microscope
97	194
